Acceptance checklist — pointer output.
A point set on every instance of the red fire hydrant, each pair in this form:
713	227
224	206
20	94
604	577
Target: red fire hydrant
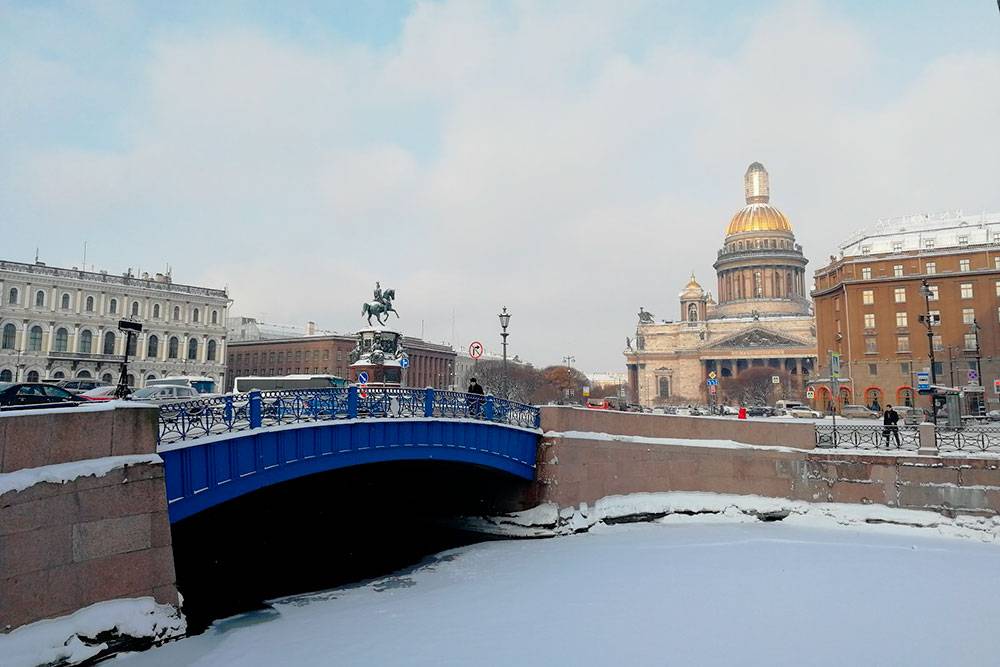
743	413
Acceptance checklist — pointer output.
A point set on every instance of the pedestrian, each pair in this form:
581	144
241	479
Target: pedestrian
475	402
890	419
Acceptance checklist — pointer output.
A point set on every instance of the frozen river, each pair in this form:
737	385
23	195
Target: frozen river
679	592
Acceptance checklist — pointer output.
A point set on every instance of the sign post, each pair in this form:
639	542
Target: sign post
834	378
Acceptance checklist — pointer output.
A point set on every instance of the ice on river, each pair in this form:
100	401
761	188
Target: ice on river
684	591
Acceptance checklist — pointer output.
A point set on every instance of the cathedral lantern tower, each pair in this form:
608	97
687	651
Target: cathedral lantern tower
761	269
694	302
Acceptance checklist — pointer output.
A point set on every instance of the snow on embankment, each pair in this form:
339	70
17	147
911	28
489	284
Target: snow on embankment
61	473
90	632
548	520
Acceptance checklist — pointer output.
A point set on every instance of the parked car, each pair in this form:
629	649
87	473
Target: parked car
803	412
993	415
105	393
36	395
166	393
80	385
911	415
859	412
760	411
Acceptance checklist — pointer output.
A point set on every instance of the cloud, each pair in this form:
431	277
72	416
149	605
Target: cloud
525	155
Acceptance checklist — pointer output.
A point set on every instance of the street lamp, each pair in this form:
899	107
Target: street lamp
974	330
504	322
925	290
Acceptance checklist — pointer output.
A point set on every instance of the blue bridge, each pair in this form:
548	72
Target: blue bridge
217	449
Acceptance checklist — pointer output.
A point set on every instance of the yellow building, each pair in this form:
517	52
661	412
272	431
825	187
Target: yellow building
763	318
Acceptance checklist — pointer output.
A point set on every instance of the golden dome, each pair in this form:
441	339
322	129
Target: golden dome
692	290
758	218
758	215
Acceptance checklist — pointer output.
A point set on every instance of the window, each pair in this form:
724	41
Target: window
900	294
35	338
212	345
866	273
897	270
130	345
12	295
156	311
64	302
966	290
193	348
902	343
968	315
39	299
869	320
931	267
872	369
152	347
86	342
113	306
215	317
9	337
6	376
871	345
901	320
177	312
938	344
897	246
963	239
62	340
935	317
996	262
109	342
970	341
663	388
135	309
32	376
194	315
904	368
928	243
172	347
934	293
866	249
868	297
692	313
90	304
106	378
836	304
996	237
963	265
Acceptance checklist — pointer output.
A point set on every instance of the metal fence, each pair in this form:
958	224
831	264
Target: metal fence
190	420
856	436
968	439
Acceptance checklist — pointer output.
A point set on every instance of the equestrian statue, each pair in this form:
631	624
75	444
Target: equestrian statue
381	305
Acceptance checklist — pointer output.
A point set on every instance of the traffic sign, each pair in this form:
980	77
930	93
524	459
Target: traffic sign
586	392
810	393
973	376
923	381
404	363
775	379
711	389
712	375
711	382
996	386
476	349
363	377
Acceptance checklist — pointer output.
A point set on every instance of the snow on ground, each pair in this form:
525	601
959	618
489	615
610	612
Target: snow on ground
59	639
60	473
718	589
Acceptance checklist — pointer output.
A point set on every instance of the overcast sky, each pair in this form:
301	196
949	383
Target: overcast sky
571	161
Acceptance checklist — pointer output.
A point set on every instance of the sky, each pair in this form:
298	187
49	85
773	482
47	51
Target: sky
571	161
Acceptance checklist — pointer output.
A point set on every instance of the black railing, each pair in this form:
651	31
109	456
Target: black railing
854	436
968	439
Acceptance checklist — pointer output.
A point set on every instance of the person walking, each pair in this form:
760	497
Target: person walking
890	419
475	402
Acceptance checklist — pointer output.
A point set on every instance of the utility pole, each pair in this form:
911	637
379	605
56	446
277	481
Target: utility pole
925	290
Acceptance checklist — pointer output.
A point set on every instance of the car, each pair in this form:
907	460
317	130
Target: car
760	411
802	412
910	415
36	395
993	415
858	412
166	394
80	385
105	393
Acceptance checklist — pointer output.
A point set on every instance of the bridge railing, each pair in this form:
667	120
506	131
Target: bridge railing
968	439
859	436
190	420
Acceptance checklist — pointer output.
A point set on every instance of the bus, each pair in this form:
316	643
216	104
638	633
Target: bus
245	384
200	383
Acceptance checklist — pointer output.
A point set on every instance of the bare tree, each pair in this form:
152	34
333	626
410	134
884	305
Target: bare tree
755	386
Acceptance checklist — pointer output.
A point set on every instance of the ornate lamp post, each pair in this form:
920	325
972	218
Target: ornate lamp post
504	322
925	290
974	330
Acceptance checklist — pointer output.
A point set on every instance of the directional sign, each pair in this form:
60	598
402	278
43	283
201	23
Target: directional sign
775	379
712	375
404	362
810	393
923	381
973	377
476	349
363	377
711	382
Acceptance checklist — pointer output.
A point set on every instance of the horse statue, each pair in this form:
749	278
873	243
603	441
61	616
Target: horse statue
383	306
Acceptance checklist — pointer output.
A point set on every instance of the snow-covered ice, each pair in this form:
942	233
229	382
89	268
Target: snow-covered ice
718	589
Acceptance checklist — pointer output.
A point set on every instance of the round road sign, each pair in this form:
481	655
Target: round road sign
476	349
404	362
363	377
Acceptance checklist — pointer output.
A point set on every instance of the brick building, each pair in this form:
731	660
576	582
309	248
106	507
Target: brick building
430	364
868	302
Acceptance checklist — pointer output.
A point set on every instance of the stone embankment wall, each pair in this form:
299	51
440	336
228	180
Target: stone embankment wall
573	470
101	534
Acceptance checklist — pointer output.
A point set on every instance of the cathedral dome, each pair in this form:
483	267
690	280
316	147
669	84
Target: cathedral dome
758	215
692	290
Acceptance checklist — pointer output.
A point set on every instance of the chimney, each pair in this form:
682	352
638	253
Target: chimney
310	328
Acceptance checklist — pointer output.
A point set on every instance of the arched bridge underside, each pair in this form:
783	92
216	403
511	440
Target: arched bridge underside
214	469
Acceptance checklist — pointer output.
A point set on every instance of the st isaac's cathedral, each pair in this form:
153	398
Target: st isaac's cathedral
763	316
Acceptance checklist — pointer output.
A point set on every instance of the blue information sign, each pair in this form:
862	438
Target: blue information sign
363	377
923	381
404	362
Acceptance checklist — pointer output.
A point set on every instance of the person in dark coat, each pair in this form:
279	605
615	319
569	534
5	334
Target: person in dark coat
475	402
890	419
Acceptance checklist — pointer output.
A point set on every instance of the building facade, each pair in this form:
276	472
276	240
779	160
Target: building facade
431	365
869	302
240	328
60	323
762	320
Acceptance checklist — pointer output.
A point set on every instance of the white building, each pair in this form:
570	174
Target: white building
242	328
925	232
63	323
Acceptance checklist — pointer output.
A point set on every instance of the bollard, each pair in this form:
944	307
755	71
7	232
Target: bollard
429	402
743	413
256	412
352	402
488	408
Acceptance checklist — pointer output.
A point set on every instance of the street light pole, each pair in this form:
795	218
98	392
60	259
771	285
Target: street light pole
925	289
504	322
979	370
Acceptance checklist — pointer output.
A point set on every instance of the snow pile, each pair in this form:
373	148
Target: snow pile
548	519
675	442
89	631
60	473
